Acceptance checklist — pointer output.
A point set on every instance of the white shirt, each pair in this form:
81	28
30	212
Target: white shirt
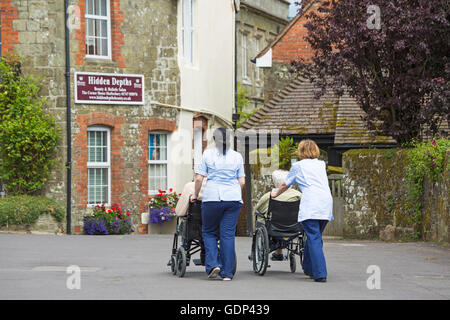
222	172
311	177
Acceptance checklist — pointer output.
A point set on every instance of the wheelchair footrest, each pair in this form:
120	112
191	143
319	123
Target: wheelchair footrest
197	262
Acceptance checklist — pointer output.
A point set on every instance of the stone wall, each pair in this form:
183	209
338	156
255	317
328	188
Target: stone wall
375	197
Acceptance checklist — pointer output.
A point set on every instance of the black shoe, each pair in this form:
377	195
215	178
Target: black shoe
214	273
320	280
308	274
277	257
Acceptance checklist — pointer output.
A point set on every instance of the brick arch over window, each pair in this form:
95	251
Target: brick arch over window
147	126
117	38
80	155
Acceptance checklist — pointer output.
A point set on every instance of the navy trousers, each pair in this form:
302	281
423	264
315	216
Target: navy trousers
223	216
313	258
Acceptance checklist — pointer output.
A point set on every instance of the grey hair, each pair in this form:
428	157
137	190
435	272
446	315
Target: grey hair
279	177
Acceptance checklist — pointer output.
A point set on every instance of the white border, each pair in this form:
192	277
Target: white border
167	162
77	101
109	35
100	165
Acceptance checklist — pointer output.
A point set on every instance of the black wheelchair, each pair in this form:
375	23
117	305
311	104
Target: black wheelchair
280	230
188	240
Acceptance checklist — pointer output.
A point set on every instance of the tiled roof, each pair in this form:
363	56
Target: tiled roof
295	111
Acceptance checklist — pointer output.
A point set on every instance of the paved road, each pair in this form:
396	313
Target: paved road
134	267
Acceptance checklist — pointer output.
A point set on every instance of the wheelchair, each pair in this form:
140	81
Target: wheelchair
188	240
280	230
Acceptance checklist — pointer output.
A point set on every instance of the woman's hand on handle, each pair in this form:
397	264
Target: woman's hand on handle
280	190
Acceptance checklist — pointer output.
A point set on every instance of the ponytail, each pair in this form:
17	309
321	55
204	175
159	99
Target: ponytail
221	139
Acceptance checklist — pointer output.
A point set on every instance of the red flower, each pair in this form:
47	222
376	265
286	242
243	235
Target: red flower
179	194
170	189
109	211
128	214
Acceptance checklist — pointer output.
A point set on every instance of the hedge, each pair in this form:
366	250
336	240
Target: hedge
25	210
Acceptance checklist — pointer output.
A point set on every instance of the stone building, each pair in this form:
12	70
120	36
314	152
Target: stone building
125	149
258	24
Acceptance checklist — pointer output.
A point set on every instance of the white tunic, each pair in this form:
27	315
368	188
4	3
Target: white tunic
311	177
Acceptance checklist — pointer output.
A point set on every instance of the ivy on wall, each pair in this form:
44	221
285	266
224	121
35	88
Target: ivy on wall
425	159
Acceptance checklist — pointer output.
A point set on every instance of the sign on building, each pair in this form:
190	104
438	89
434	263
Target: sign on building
106	88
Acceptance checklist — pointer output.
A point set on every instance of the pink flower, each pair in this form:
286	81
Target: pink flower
433	143
432	164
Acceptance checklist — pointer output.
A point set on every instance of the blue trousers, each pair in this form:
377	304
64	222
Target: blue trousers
220	216
313	258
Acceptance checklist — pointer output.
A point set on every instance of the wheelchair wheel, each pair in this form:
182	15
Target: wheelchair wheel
260	251
301	249
173	264
292	263
180	262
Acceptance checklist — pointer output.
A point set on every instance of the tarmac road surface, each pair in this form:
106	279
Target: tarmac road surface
135	267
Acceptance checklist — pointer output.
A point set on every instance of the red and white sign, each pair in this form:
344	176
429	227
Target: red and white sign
107	88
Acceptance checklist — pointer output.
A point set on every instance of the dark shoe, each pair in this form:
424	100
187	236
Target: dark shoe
308	274
214	273
320	280
277	257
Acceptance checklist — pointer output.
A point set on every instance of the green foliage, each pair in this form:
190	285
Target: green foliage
25	210
286	150
243	102
28	136
424	159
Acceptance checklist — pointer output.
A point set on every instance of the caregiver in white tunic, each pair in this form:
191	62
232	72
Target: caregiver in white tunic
316	206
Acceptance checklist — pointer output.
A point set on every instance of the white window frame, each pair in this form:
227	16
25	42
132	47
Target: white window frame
187	30
100	165
166	162
108	34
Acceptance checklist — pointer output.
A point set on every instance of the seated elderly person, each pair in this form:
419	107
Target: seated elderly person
290	195
182	206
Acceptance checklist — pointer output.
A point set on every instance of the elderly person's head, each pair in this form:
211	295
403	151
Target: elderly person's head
279	177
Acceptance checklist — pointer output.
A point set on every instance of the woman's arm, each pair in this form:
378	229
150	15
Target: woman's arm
242	182
280	190
198	185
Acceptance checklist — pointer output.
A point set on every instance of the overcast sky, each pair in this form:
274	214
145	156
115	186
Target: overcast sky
293	9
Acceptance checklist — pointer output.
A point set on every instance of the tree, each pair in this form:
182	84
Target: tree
392	56
28	136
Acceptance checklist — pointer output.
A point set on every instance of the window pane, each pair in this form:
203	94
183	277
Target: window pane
97	146
157	177
96	7
104	47
97	185
103	28
89	6
103	8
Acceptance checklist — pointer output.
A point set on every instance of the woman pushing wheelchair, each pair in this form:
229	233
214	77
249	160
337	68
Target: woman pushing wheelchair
316	205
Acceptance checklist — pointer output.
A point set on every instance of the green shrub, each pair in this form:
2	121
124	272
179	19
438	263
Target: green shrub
25	210
424	159
28	136
286	151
